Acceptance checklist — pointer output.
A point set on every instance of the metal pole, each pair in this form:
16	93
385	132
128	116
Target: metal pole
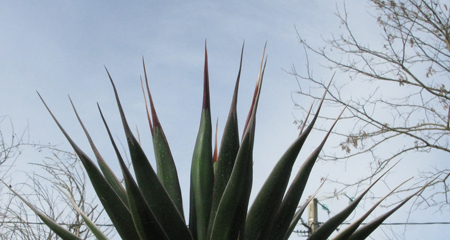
313	221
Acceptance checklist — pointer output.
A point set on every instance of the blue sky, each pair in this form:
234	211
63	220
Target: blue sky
60	48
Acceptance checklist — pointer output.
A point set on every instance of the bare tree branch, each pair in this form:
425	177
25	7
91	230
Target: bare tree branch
60	169
409	96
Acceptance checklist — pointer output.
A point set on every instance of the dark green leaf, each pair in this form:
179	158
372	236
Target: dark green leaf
228	151
117	210
285	213
106	170
364	231
145	222
151	188
165	165
229	221
299	213
202	172
55	227
330	226
348	231
269	198
89	223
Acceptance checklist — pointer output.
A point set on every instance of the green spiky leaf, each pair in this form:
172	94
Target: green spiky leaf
89	223
364	231
106	170
145	222
330	226
348	231
165	165
231	212
116	209
280	223
151	188
202	171
55	227
299	213
228	151
271	194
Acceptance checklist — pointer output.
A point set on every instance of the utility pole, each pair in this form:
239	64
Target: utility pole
313	221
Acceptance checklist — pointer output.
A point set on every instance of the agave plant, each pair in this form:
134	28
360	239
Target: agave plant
149	203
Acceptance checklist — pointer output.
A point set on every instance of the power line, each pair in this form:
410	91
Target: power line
344	223
404	223
304	233
41	223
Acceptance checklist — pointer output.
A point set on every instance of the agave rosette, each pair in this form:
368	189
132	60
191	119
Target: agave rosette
149	205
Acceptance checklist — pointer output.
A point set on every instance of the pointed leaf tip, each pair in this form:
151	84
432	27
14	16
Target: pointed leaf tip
154	116
206	101
257	92
146	109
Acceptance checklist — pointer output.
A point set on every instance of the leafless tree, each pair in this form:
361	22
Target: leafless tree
58	168
407	79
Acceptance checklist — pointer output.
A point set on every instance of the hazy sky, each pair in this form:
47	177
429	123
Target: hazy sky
60	48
